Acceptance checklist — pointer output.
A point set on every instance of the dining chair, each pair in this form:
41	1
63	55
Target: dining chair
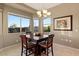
47	44
28	46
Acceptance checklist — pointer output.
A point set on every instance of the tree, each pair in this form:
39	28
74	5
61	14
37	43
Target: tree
48	28
13	28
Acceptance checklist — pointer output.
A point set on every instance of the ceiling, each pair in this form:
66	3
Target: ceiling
39	6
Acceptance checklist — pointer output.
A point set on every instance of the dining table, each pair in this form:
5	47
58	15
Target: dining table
36	40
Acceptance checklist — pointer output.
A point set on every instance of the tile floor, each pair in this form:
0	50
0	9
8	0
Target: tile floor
59	50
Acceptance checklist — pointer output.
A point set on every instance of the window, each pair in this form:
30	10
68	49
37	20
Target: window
13	24
25	23
16	22
46	24
36	25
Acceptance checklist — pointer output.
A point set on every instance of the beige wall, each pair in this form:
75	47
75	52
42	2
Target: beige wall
6	38
69	38
1	35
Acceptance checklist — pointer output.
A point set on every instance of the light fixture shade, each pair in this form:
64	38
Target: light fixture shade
49	13
44	11
40	15
38	12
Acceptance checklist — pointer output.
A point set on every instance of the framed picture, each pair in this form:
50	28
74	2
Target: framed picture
63	23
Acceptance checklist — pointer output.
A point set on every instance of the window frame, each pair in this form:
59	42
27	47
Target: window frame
18	15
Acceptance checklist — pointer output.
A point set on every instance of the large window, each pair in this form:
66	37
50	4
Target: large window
36	25
16	22
25	24
13	24
46	24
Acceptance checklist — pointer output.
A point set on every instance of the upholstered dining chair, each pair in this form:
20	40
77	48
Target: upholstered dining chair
28	46
47	44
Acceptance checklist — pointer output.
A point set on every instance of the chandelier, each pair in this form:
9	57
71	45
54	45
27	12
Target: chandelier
43	13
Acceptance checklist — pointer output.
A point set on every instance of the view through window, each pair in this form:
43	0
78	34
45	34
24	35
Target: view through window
36	25
15	23
25	23
46	24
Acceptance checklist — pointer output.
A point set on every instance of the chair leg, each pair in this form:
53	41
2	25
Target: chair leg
47	51
26	52
35	51
22	51
52	51
40	51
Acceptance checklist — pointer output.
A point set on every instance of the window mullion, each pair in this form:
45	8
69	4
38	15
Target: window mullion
20	25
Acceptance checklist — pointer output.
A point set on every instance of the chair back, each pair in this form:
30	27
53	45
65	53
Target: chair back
23	40
50	39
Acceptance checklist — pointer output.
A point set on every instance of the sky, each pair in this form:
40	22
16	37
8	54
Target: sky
25	22
47	22
16	20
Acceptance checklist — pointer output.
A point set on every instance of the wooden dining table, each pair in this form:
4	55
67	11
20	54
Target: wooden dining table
36	40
